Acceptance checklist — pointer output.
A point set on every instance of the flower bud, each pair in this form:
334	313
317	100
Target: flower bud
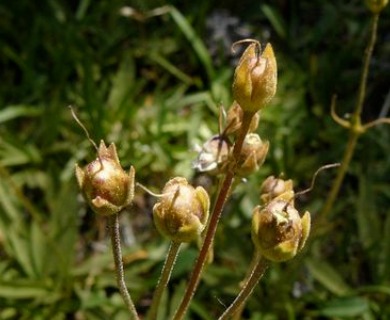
105	185
253	154
181	213
273	187
278	231
255	78
376	6
213	155
234	119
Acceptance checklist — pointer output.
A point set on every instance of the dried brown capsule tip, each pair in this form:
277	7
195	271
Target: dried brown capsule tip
213	155
253	154
278	231
181	213
105	185
273	187
234	120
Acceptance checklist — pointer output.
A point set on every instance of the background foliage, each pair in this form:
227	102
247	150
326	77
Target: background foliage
153	86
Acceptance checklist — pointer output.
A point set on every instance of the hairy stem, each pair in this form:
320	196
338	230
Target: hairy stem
259	268
255	260
164	278
214	219
113	221
356	129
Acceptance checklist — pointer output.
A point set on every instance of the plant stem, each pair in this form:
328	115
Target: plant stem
214	219
164	278
113	221
356	128
257	272
255	260
342	170
366	67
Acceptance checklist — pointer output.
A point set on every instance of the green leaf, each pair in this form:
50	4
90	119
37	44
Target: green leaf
16	111
17	153
345	307
366	214
275	19
384	257
324	273
197	44
122	84
171	68
177	297
201	311
184	263
18	290
38	247
9	210
21	250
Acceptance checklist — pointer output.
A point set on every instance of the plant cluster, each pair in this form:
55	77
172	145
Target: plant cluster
182	211
144	77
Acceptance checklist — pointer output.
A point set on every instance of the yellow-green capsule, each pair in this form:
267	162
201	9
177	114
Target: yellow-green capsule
182	211
255	78
278	231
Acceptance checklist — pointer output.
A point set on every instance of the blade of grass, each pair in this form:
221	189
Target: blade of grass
16	111
197	44
324	273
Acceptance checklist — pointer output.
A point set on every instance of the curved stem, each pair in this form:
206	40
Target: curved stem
335	116
356	129
164	278
113	221
214	219
257	272
376	122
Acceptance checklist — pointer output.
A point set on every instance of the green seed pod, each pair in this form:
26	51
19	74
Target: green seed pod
105	185
278	231
182	211
255	78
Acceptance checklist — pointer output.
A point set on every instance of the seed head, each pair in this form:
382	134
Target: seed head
105	185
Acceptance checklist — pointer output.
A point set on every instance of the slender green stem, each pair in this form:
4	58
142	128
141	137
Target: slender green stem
356	128
113	221
254	262
257	272
366	67
342	170
214	219
164	278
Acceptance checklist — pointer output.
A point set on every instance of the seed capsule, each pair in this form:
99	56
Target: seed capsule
278	231
105	185
255	78
181	213
253	154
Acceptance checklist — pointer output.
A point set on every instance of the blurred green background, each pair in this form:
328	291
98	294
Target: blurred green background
151	78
